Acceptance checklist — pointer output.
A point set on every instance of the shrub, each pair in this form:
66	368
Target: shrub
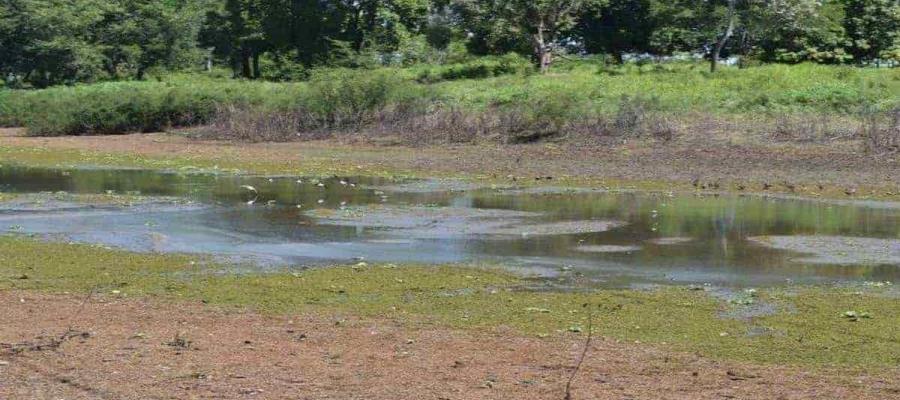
119	107
880	131
515	106
13	108
538	118
633	114
486	67
342	98
242	123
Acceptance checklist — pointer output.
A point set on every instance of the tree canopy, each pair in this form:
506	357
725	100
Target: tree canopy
46	42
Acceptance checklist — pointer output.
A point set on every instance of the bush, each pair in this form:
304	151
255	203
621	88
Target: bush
247	124
342	98
119	107
538	118
12	108
516	106
487	67
880	131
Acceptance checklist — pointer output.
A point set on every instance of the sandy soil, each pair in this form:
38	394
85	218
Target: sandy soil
838	167
242	355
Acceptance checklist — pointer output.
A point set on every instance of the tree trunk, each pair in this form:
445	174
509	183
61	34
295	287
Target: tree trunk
717	52
246	71
543	51
235	64
256	72
618	57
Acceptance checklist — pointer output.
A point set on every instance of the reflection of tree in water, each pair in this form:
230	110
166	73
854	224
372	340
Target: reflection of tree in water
723	226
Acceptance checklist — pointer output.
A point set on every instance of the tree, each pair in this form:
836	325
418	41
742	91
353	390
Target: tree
140	34
46	42
682	26
619	27
439	30
798	30
544	21
873	27
235	32
511	24
731	16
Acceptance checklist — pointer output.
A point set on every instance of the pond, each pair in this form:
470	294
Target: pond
610	239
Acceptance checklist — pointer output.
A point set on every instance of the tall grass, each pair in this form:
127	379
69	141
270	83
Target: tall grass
521	106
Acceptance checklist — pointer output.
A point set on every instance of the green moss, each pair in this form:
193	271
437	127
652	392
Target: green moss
226	162
7	197
809	327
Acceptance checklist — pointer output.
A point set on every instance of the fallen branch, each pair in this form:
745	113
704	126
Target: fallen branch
587	345
54	342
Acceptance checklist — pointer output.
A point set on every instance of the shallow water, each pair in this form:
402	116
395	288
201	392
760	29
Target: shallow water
614	239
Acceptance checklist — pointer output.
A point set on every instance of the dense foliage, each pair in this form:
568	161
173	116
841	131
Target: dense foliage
47	42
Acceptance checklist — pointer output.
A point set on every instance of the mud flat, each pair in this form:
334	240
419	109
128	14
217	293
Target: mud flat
608	249
836	249
432	186
670	241
448	222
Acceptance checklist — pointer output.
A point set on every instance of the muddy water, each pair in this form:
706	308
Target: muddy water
615	239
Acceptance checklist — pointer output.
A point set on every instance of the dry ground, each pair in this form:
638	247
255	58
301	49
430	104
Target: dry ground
239	355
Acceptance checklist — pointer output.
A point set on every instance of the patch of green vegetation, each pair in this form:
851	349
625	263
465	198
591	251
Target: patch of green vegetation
340	98
8	196
809	328
116	107
228	161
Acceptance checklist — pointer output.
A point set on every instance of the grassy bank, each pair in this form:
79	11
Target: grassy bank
490	99
807	328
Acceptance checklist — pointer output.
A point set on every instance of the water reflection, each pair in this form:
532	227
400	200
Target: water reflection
279	229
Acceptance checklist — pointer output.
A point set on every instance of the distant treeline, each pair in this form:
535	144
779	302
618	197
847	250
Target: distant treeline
47	42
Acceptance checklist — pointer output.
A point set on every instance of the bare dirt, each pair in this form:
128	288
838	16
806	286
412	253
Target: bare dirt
835	168
145	349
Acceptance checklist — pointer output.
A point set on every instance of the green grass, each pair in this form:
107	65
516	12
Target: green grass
227	161
682	88
337	98
808	328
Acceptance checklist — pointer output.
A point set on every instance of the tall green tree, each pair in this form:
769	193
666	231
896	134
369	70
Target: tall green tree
540	23
619	27
797	30
140	34
873	27
234	31
47	42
